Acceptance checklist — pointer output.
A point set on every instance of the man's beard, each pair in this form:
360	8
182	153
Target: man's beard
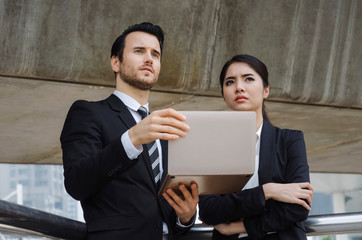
134	81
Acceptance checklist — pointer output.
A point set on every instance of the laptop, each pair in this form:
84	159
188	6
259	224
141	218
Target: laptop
218	153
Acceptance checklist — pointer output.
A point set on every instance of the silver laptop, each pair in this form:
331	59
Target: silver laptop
218	152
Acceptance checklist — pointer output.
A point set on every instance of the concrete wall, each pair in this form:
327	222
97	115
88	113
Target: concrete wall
312	47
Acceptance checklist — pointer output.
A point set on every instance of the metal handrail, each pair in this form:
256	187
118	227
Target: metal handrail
316	225
18	216
38	222
14	231
331	224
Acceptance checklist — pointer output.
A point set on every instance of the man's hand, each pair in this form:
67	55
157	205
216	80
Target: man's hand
185	207
231	228
166	124
290	193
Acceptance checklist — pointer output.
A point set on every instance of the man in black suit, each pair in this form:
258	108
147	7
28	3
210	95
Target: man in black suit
108	147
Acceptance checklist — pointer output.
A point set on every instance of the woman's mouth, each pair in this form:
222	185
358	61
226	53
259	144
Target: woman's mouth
240	99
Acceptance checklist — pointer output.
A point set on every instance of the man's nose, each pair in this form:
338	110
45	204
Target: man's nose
148	58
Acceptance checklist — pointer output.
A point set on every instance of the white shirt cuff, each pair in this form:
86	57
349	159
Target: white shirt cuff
131	151
181	225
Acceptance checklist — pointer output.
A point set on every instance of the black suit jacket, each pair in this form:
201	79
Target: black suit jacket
118	195
282	159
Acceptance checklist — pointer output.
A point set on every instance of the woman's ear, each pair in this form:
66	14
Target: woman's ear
266	92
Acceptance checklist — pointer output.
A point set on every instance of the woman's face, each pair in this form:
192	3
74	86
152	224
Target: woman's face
243	88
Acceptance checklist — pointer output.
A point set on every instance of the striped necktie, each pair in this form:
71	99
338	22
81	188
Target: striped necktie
152	152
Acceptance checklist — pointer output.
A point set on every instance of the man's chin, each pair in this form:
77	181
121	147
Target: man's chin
147	83
143	85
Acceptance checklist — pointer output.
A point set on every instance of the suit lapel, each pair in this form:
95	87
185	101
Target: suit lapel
126	117
123	113
267	153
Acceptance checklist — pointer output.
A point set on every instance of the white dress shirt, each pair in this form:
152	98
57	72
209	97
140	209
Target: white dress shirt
254	180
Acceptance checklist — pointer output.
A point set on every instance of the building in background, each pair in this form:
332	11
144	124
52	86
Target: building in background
38	186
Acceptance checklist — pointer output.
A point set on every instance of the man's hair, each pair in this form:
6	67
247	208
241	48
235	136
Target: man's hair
147	27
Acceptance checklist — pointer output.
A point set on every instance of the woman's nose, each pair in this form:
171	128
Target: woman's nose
239	87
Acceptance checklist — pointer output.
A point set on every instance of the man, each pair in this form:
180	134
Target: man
114	162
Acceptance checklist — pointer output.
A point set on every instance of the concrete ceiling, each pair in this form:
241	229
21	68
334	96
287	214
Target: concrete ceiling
32	113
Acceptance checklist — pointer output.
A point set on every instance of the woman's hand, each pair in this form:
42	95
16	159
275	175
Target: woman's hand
290	193
231	228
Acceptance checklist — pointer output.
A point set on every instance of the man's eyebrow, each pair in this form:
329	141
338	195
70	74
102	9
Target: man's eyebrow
143	48
157	52
139	48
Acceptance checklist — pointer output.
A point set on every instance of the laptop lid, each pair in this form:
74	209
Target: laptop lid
218	152
218	143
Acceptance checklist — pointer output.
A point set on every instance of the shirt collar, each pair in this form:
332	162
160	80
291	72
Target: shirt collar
129	101
258	133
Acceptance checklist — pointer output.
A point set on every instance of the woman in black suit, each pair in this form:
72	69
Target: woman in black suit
276	200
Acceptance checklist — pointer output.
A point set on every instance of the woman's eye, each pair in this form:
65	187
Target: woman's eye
228	82
249	79
155	55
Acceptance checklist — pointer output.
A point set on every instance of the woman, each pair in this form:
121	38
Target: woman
276	200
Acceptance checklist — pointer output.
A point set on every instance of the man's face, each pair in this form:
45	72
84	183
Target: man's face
141	62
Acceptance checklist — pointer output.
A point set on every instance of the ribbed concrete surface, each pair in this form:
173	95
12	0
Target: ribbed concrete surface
312	47
32	113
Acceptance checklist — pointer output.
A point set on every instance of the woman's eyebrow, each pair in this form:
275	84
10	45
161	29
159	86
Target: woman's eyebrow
230	77
247	75
243	75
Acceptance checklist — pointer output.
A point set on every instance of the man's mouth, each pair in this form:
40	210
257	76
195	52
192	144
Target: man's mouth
147	69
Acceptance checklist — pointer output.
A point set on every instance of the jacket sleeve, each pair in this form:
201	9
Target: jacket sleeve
281	215
215	209
88	163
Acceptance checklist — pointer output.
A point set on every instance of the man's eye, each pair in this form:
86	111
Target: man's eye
138	51
155	55
249	79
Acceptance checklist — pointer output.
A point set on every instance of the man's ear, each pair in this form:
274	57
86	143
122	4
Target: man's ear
115	64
